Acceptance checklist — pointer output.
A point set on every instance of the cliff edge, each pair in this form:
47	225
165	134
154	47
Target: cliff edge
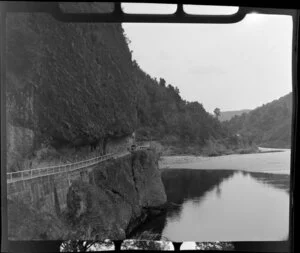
116	198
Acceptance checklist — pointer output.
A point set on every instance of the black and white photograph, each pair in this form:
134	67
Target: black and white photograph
148	133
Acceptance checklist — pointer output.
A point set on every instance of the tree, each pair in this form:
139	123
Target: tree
147	240
162	82
217	112
85	246
146	245
214	246
76	246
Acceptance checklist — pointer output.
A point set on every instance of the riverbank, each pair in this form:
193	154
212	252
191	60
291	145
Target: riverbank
208	151
167	161
212	149
266	160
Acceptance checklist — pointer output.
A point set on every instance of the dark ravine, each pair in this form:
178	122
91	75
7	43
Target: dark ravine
109	205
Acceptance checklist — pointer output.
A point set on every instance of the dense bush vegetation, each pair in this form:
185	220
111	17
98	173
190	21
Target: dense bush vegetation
268	125
70	83
76	84
164	115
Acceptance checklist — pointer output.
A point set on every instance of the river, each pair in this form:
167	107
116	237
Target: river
226	198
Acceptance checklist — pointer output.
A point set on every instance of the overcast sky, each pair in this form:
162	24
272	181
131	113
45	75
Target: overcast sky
230	66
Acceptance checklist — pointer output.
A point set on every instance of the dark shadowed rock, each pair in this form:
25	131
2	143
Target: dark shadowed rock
118	197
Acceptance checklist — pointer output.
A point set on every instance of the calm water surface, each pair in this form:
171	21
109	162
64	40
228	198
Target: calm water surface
227	205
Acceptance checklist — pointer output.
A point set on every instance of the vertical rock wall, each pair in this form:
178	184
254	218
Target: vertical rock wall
20	142
104	201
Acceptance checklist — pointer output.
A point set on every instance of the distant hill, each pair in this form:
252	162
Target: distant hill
268	125
228	115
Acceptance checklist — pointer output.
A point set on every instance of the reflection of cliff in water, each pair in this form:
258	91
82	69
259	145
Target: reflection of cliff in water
189	191
278	181
181	185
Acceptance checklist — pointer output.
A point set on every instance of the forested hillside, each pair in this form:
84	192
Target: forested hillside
268	125
76	79
164	115
72	85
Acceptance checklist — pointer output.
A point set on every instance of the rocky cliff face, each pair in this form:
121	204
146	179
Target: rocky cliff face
20	142
118	197
70	84
115	199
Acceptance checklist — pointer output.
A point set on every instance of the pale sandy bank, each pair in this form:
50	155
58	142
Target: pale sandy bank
273	162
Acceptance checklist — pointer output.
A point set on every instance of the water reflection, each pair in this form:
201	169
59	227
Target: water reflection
190	184
218	205
181	184
279	181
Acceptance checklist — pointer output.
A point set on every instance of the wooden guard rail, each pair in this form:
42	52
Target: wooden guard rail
40	172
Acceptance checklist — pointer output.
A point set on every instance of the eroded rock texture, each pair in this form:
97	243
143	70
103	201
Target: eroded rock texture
118	196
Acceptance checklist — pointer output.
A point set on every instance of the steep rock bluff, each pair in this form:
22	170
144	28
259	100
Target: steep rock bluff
68	84
117	197
114	199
